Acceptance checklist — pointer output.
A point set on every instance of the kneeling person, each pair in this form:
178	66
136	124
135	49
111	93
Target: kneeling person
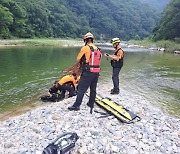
67	85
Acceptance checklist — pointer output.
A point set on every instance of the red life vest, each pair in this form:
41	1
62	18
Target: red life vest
95	60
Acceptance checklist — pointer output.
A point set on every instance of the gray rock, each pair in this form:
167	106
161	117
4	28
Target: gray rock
33	131
8	145
51	137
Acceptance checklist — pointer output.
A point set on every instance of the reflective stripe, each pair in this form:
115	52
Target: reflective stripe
95	60
92	62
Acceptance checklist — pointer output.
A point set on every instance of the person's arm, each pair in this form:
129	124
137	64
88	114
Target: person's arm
120	54
78	79
114	57
84	51
80	54
53	89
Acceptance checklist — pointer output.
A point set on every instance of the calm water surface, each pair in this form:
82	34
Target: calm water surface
25	72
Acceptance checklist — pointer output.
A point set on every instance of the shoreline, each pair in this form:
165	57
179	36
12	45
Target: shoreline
161	46
168	46
40	42
32	131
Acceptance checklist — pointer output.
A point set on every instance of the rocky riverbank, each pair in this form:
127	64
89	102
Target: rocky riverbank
31	132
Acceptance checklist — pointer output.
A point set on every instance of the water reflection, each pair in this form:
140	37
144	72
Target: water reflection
27	71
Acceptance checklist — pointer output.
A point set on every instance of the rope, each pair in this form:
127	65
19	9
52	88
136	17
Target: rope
73	69
4	117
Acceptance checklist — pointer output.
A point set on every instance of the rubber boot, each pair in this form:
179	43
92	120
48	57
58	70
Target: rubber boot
115	91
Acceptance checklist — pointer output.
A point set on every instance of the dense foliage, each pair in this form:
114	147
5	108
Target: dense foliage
72	18
169	26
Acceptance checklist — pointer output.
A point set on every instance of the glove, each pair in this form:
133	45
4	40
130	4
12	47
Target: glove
106	54
53	90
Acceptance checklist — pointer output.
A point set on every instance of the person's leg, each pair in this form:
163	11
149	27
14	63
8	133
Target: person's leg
115	78
71	91
93	90
82	88
65	88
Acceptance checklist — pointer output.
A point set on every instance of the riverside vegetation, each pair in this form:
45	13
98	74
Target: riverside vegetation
67	18
168	45
43	19
41	42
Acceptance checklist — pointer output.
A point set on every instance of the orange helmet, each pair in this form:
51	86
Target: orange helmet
88	35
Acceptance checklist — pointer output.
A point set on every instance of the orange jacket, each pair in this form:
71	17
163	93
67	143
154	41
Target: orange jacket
86	51
68	79
119	54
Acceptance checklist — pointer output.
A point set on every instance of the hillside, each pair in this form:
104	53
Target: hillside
72	18
169	25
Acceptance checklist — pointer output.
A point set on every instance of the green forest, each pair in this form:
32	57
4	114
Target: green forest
72	18
169	25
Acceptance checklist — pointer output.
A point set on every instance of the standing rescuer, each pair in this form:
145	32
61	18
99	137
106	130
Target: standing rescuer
116	63
89	58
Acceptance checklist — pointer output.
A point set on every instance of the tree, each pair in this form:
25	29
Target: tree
169	25
6	19
73	18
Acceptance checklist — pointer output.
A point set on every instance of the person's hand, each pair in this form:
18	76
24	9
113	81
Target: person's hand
66	94
107	55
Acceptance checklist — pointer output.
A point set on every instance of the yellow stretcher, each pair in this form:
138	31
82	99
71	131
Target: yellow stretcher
123	114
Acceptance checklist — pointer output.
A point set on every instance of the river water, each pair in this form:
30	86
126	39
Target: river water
26	71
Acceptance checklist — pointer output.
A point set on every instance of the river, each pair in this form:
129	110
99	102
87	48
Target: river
26	71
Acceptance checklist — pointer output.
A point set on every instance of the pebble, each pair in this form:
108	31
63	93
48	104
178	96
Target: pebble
31	132
83	150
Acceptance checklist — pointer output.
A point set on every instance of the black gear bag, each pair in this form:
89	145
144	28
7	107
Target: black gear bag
62	144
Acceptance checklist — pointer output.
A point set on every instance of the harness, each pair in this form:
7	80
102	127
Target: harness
115	63
94	61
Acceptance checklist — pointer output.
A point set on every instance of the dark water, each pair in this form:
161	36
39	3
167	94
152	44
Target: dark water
26	72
